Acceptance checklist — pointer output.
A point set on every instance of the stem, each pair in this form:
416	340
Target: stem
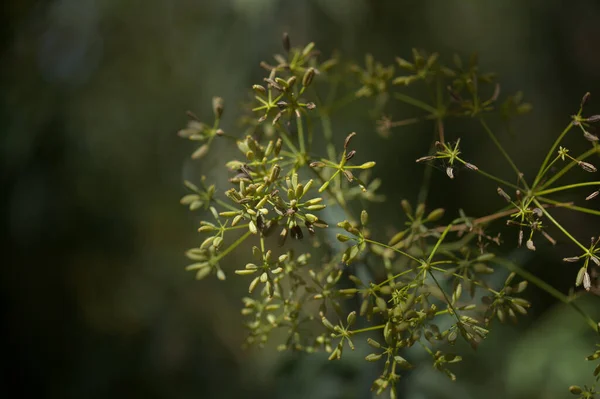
372	328
567	187
513	267
556	143
414	102
501	149
439	241
239	226
570	205
395	277
300	133
393	249
565	232
233	246
492	177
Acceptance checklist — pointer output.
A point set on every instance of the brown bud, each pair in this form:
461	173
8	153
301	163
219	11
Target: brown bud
350	155
588	167
503	194
530	245
585	99
450	172
471	166
310	106
592	195
590	137
593	119
286	41
426	158
218	106
571	259
348	138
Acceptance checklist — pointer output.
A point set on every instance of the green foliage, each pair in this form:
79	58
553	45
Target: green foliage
430	284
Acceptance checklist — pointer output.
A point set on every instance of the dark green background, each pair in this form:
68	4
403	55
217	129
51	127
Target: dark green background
96	300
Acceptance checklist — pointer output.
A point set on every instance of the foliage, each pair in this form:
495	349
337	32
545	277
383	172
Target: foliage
434	269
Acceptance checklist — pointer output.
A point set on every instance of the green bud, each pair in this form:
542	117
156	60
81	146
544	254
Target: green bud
406	207
575	390
351	318
367	165
342	238
435	215
364	217
308	77
396	238
373	357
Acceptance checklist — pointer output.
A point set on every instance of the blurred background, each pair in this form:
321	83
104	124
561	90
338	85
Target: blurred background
96	302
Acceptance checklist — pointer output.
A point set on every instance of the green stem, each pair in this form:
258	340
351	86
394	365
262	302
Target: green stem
501	149
492	177
439	241
300	133
549	155
372	328
565	232
567	187
393	249
233	246
414	102
513	267
395	276
569	206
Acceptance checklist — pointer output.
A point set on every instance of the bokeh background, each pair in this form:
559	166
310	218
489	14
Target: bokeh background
96	302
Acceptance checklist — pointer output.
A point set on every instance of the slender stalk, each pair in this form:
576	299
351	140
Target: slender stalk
570	206
501	149
300	133
393	249
414	102
233	245
565	232
492	177
549	155
372	328
567	187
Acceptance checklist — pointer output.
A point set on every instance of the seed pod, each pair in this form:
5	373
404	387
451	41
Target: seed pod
286	41
308	77
587	282
350	155
296	232
503	194
592	195
530	245
593	119
218	106
426	158
585	99
259	89
450	172
588	167
348	138
589	136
